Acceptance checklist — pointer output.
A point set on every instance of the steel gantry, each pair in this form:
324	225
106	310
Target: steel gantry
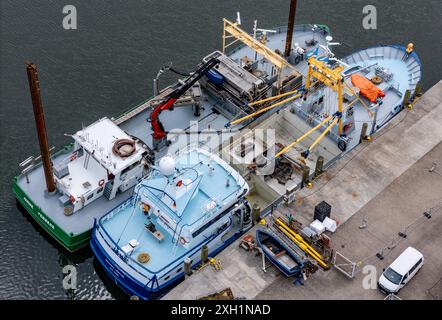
331	77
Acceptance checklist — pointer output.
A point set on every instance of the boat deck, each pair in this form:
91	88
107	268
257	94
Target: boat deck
406	74
213	116
129	224
376	165
276	41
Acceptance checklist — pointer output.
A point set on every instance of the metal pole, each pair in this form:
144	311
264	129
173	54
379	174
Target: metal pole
375	119
290	27
34	86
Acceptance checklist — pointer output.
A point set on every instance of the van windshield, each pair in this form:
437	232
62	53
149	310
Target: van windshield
392	276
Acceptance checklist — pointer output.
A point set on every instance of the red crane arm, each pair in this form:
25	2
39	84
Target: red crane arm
157	126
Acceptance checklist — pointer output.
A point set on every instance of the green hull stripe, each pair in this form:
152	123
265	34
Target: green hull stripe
69	241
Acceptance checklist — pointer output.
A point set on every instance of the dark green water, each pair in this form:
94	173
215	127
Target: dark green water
107	65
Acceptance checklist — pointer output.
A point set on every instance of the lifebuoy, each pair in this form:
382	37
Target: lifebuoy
182	240
298	59
101	183
73	156
72	199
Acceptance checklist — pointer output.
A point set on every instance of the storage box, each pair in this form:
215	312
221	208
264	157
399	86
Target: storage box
317	226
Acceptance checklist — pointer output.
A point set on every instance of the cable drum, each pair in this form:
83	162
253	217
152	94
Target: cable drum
124	148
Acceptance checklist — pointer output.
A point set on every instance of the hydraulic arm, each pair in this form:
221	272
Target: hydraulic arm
157	126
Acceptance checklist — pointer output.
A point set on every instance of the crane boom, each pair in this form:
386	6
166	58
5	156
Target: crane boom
157	126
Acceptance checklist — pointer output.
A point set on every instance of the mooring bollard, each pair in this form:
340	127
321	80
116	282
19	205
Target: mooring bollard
406	101
256	213
204	254
188	267
319	166
305	176
363	132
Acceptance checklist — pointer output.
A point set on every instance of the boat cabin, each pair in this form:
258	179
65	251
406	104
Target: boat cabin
105	160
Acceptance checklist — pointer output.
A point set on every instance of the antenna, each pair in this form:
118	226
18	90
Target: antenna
266	30
255	28
329	40
238	17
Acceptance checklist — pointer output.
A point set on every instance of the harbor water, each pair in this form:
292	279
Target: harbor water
106	66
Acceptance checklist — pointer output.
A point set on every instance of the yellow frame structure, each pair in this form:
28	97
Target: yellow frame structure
332	78
232	30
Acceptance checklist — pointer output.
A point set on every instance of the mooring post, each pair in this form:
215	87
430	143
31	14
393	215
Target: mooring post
34	86
256	213
204	254
305	176
290	27
418	89
363	132
406	101
319	166
187	267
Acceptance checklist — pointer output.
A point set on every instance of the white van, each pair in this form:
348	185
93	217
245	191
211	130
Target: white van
397	275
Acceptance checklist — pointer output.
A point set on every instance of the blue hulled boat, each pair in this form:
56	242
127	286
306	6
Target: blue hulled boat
187	201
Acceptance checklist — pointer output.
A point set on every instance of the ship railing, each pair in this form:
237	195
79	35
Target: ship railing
281	29
30	163
131	262
205	215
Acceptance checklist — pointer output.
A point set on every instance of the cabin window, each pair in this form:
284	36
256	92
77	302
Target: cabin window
99	190
166	278
179	270
90	196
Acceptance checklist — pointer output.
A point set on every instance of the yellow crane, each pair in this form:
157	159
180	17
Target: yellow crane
232	30
331	77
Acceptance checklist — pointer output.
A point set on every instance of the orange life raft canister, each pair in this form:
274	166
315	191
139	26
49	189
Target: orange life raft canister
366	88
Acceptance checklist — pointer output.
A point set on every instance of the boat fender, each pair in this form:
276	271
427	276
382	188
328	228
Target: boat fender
342	145
183	241
101	183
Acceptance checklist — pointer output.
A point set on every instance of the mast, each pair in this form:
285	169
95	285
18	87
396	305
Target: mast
290	27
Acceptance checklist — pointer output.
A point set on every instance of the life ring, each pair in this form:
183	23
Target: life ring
182	240
101	183
298	59
72	199
73	157
376	80
143	257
